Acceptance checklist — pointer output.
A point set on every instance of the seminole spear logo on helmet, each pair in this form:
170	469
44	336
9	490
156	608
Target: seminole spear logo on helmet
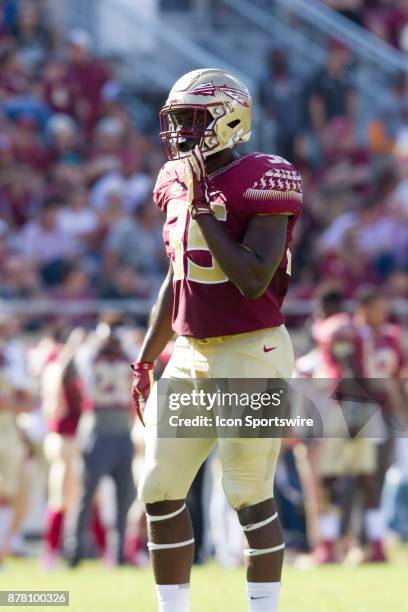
209	89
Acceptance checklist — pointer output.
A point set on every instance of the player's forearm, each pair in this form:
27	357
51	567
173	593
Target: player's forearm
69	350
249	273
160	330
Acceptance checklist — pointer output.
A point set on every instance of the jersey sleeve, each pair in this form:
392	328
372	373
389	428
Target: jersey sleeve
274	187
167	183
398	344
160	188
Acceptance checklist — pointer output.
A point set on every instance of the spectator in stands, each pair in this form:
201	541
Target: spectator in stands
135	242
13	77
89	74
331	92
20	194
28	148
109	137
63	139
280	94
43	241
78	218
372	233
113	210
393	111
397	285
125	284
75	284
58	90
138	184
33	37
121	173
395	20
20	278
347	264
64	177
107	149
345	162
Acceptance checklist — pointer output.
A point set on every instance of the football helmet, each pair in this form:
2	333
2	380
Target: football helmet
207	107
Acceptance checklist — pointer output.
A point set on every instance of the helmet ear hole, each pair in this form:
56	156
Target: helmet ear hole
232	124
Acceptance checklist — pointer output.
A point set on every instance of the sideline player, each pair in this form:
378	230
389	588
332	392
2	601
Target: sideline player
388	365
14	398
104	431
344	355
229	222
61	396
388	360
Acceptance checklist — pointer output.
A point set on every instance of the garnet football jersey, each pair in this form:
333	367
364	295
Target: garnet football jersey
387	354
341	345
206	303
105	374
67	424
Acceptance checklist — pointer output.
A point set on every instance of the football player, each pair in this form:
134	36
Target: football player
104	431
344	355
388	366
388	356
229	223
14	398
61	397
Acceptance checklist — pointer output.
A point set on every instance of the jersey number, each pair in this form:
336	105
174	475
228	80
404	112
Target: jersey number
111	383
194	241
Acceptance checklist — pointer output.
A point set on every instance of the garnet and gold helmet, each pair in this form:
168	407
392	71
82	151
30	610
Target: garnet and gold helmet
207	107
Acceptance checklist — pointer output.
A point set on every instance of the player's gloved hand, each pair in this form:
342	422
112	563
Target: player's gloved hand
197	185
141	385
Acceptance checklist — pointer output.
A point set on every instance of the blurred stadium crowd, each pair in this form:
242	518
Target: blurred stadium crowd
77	222
387	19
76	173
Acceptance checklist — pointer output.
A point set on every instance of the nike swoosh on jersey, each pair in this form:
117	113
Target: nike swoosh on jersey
268	348
263	597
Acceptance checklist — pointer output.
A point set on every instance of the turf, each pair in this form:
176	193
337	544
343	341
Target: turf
329	589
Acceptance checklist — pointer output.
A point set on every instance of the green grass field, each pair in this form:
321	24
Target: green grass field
329	589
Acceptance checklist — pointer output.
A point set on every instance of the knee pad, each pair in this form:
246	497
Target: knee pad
241	494
159	483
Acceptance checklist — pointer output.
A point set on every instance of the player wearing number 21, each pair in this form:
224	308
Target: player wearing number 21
229	223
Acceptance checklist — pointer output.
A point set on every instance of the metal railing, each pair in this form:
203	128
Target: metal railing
67	308
293	307
362	42
151	53
244	30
